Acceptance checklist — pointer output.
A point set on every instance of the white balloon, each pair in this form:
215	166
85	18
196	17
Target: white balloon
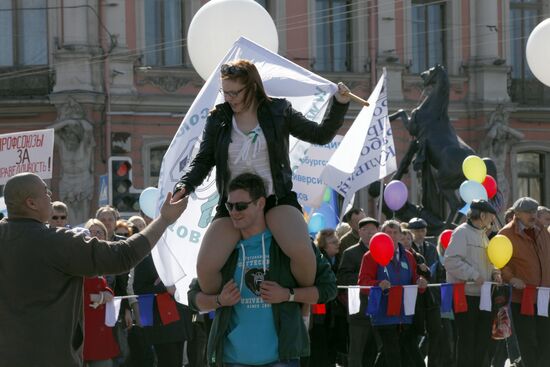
219	23
538	51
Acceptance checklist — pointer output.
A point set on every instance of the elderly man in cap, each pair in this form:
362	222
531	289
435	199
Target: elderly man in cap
529	266
419	229
466	260
42	272
361	352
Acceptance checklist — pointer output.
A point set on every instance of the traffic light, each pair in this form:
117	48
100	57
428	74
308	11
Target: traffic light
122	194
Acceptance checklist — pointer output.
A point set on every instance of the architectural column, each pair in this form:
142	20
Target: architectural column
78	57
121	61
387	55
487	67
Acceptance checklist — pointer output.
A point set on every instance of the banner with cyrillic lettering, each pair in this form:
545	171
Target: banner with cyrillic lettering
176	253
28	151
306	178
367	152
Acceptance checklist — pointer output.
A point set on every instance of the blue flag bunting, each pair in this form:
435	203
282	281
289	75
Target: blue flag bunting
375	296
446	297
145	302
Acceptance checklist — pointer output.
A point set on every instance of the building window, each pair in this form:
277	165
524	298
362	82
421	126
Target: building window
23	33
531	179
333	35
155	155
164	33
525	88
428	35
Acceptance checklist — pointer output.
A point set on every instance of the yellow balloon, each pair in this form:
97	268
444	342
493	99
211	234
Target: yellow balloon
500	250
474	168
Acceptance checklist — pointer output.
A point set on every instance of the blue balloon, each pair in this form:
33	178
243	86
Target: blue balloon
148	201
316	223
464	209
472	190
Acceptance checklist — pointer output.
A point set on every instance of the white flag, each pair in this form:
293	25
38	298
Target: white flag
175	255
542	301
485	302
354	301
112	309
409	298
367	152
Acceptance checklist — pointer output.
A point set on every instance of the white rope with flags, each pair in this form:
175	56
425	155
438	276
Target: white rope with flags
367	152
176	253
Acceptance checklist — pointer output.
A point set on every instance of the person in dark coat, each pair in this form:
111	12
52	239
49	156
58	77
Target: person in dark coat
362	349
42	272
427	318
328	332
167	340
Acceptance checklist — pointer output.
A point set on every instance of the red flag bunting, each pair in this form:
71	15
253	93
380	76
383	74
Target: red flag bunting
319	309
167	308
459	298
395	299
528	300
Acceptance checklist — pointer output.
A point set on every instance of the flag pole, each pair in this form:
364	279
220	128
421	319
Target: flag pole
357	99
380	200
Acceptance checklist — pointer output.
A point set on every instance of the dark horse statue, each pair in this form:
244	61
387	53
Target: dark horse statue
437	151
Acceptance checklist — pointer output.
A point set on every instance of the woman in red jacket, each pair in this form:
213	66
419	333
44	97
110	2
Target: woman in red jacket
100	346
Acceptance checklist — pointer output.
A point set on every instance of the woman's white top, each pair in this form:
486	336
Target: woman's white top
248	153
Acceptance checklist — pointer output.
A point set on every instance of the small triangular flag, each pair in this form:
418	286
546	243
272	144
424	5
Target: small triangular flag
409	298
446	297
528	300
354	303
145	302
167	308
542	301
318	309
395	299
459	298
112	309
485	303
373	304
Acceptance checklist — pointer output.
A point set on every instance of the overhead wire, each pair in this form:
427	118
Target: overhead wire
182	42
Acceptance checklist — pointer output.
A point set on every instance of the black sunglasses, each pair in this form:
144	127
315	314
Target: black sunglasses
227	69
62	217
239	206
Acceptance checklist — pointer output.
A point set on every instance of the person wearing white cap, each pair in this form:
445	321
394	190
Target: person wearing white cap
529	265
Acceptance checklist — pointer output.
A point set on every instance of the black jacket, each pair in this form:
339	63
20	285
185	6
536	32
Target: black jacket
348	274
277	120
428	251
146	281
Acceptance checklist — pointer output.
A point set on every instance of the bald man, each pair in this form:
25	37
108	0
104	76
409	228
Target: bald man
42	270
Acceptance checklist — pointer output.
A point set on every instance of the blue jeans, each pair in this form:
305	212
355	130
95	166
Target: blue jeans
286	363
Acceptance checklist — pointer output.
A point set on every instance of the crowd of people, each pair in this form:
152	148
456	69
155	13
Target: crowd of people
336	337
471	338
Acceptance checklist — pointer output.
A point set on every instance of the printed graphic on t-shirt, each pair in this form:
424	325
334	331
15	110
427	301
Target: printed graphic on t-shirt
253	279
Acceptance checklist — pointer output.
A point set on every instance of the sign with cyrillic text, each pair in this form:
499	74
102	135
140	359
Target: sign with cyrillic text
28	151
